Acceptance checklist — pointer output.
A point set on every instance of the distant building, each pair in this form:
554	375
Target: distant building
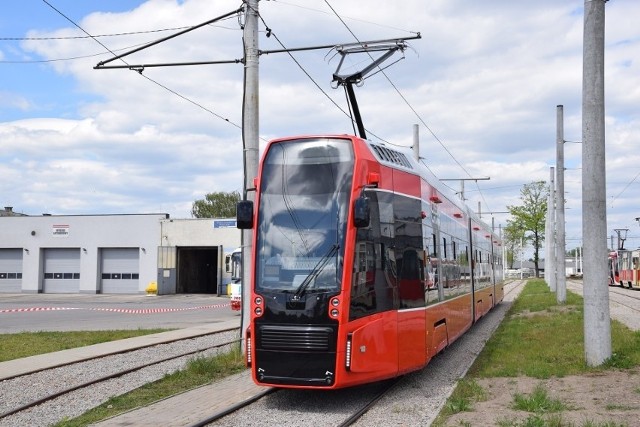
8	211
114	254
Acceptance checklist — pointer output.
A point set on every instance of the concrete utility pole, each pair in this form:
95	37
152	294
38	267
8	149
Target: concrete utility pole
549	247
552	252
597	323
250	135
416	142
561	268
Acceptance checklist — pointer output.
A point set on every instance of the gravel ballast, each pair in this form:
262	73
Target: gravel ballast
22	390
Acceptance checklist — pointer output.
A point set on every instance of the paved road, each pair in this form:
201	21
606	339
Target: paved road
67	312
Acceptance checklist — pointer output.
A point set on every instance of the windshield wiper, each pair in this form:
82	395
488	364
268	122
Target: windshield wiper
315	271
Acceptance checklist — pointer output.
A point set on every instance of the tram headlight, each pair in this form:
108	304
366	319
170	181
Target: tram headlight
258	306
335	302
334	312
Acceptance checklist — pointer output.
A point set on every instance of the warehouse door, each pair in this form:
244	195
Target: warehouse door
10	270
197	270
61	271
120	270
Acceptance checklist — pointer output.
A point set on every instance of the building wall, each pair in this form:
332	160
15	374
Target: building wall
87	233
90	234
200	232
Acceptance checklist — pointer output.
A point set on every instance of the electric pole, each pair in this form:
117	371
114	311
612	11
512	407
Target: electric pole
553	265
250	136
561	268
597	323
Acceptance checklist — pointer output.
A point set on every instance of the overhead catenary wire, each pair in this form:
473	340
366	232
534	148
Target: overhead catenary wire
141	74
270	32
126	33
288	51
185	29
613	199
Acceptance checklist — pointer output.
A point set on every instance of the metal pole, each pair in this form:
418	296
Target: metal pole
561	268
597	323
250	133
553	246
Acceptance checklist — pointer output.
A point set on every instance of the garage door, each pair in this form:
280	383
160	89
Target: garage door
61	271
120	270
10	270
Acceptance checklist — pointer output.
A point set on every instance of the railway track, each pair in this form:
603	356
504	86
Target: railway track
281	406
52	387
340	408
619	295
624	303
343	407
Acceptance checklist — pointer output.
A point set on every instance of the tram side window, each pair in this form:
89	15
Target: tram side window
408	251
373	289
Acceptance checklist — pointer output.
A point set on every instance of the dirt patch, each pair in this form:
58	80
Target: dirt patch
550	311
608	397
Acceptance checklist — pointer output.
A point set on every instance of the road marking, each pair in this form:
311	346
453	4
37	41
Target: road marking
116	310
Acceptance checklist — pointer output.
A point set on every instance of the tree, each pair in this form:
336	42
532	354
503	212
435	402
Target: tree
513	242
530	216
216	205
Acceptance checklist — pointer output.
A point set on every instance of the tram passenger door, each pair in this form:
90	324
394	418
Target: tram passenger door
412	346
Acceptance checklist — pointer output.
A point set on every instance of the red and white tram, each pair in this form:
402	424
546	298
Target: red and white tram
364	266
624	268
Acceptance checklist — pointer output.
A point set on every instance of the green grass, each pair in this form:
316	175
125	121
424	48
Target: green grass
200	371
462	398
538	402
24	344
541	339
554	420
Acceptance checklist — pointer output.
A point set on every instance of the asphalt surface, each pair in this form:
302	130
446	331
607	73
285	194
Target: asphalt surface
73	312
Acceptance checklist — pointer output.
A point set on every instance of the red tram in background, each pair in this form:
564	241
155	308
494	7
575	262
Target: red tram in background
363	268
624	268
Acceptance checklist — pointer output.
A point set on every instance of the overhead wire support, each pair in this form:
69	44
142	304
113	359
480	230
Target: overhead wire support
101	64
140	67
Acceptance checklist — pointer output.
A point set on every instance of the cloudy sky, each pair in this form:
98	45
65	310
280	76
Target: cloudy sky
483	84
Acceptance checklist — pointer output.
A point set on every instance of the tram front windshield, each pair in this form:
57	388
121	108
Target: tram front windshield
304	200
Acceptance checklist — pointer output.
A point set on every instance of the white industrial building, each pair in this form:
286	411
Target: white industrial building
114	254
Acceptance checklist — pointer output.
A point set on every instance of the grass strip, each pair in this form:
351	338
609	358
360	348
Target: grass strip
198	372
539	338
24	344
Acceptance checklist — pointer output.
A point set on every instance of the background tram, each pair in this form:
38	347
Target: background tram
233	265
624	268
363	266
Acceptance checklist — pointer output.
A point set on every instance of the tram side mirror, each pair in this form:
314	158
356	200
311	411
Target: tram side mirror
361	212
244	214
